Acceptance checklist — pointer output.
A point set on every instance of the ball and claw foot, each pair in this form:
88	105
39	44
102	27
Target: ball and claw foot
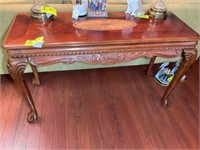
165	103
32	117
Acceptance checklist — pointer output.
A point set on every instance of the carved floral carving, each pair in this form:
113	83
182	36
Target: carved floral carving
104	58
16	67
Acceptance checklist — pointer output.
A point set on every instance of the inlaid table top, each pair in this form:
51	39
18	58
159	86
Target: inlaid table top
61	32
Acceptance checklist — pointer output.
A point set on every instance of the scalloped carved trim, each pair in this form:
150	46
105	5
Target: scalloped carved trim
104	58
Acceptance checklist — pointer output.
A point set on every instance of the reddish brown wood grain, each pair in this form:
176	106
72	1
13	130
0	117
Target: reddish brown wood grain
60	32
9	116
115	108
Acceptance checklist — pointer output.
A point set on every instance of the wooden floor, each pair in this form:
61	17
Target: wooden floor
116	108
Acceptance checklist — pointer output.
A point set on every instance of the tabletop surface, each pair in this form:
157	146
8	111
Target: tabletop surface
61	32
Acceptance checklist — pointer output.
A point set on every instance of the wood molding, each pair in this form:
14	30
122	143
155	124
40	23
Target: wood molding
103	58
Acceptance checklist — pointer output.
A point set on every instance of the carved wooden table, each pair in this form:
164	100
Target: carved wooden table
65	43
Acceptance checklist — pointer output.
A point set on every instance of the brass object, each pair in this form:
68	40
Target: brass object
36	11
157	15
39	16
158	11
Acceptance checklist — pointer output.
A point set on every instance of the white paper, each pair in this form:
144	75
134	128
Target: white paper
38	44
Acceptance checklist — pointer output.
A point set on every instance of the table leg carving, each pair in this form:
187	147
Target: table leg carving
35	80
189	56
149	70
16	69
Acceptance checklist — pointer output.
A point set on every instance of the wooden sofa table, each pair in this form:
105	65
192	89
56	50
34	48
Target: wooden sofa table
65	43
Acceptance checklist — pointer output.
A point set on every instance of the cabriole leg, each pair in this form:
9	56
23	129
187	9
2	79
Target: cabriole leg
16	69
189	56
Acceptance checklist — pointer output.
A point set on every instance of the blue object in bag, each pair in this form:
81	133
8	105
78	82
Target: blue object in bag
165	75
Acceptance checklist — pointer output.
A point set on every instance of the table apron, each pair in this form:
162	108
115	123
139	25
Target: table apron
100	54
